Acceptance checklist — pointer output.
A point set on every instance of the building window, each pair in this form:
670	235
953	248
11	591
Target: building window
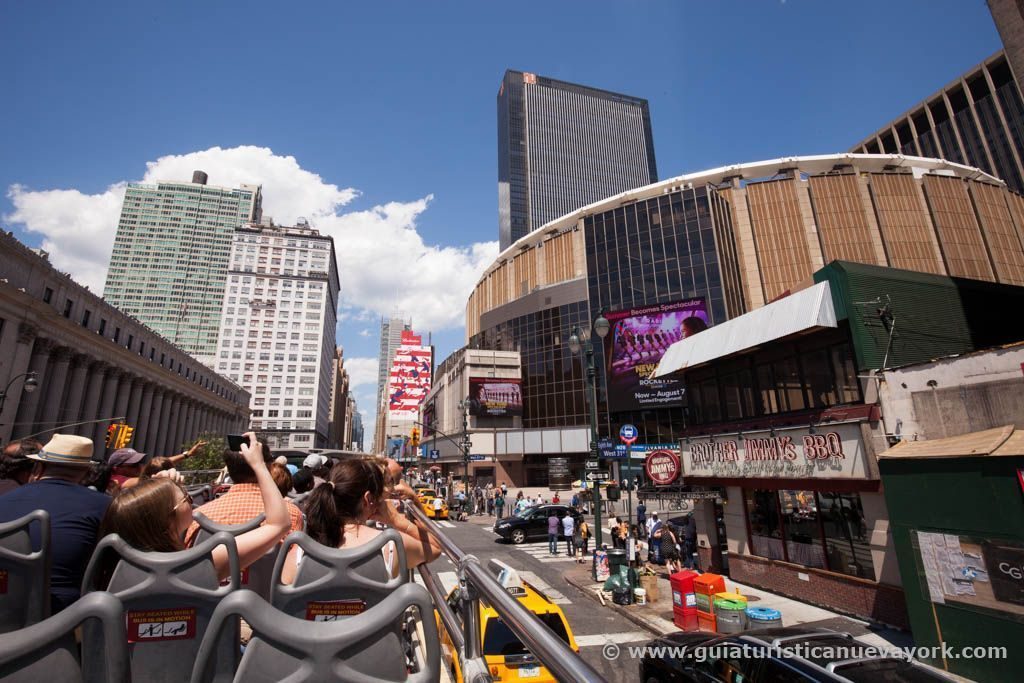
68	305
103	327
117	334
85	318
47	295
825	530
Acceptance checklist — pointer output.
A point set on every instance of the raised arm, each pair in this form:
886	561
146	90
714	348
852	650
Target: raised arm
420	546
177	459
252	545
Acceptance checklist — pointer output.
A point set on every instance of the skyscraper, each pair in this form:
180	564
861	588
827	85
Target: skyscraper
390	339
171	253
562	146
277	335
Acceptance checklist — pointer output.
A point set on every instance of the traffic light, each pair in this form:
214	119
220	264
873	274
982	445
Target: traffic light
111	436
414	438
124	436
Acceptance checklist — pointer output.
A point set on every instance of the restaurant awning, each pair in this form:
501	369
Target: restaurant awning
804	310
1000	441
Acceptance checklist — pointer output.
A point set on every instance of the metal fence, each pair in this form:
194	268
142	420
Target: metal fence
476	583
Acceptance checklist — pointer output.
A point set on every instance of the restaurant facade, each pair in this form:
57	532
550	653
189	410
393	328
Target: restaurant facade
784	428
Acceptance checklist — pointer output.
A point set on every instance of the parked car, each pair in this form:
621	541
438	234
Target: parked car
777	654
532	523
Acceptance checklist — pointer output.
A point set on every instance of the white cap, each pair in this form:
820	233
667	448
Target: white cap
313	461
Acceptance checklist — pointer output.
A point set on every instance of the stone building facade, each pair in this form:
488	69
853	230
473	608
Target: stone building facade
94	363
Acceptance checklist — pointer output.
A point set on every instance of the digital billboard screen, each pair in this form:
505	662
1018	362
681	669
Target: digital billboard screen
495	397
638	338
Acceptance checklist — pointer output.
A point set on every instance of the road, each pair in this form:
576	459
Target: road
593	625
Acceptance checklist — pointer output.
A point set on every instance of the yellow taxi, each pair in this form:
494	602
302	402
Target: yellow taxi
507	658
434	510
424	492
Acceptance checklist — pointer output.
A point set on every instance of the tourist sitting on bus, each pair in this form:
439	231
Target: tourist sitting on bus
340	512
154	516
15	465
75	511
243	501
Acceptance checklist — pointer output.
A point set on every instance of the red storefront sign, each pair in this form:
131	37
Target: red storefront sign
662	467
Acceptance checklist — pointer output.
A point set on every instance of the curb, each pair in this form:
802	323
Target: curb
632	616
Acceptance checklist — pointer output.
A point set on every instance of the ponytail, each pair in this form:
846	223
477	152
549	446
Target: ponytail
339	500
324	522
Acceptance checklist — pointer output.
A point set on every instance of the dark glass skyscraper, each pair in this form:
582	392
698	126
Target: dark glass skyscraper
562	146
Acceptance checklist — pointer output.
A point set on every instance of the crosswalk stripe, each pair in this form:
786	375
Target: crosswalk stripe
539	552
446	524
611	638
541	585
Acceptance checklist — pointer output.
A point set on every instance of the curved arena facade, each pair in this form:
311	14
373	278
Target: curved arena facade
737	237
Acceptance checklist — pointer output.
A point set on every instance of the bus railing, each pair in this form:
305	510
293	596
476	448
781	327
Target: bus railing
476	583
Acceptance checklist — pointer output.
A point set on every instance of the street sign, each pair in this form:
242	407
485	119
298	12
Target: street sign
434	454
628	434
598	476
477	458
593	464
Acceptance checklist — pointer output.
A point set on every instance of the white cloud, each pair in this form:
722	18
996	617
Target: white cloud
383	261
361	372
366	332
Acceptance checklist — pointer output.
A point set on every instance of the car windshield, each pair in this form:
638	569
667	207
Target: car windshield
500	640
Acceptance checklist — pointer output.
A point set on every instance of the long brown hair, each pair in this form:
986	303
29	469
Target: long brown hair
338	501
143	516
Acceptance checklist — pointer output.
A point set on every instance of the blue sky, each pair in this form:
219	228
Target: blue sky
396	102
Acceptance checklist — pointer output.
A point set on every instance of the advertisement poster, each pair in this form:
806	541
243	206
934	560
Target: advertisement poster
409	381
396	448
639	337
495	397
559	476
972	572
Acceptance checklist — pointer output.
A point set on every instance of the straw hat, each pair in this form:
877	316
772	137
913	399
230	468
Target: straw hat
66	449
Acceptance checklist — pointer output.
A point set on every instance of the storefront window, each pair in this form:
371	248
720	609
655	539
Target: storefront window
847	543
803	532
846	376
765	524
820	379
787	378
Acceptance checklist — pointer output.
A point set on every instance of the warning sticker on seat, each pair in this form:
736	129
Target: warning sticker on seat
161	624
332	610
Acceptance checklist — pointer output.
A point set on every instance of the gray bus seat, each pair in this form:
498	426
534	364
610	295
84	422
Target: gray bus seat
47	651
24	572
255	577
364	647
200	494
169	599
299	498
330	578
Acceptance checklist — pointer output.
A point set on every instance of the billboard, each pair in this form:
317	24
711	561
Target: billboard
396	448
639	337
409	380
495	397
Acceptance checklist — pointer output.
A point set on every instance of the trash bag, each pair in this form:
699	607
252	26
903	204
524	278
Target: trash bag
615	582
623	596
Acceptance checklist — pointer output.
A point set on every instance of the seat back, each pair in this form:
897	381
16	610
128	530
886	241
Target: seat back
299	499
47	651
255	577
200	494
362	648
332	582
169	599
24	573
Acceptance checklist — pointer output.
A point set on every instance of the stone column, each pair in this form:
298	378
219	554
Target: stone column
124	394
25	422
135	404
93	393
142	420
190	421
76	390
56	389
173	445
20	355
106	410
165	425
153	426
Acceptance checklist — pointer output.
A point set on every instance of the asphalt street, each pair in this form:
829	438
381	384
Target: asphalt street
593	626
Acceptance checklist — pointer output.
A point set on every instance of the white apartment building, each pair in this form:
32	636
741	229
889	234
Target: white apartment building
278	327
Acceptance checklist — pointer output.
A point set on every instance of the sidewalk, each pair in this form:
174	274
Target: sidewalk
656	616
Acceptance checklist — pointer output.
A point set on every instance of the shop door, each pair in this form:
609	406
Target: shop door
719	541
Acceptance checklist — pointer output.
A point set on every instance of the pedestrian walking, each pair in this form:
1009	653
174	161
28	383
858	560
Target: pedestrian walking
569	530
575	502
553	526
499	505
641	519
670	549
584	536
690	543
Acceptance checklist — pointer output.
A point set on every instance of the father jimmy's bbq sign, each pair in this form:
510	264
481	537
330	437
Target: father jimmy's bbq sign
836	453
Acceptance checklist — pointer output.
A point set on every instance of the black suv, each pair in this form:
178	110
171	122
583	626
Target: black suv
772	655
532	523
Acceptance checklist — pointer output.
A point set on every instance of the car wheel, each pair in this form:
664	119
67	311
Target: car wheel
518	536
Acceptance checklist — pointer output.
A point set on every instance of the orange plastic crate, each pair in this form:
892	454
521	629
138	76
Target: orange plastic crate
707	622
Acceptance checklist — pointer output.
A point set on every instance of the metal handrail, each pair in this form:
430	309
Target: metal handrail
478	583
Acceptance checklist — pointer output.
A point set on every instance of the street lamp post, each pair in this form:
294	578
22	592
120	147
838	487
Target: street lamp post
30	385
600	328
466	445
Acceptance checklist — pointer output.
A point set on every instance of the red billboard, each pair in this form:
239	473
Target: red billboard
638	339
495	397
